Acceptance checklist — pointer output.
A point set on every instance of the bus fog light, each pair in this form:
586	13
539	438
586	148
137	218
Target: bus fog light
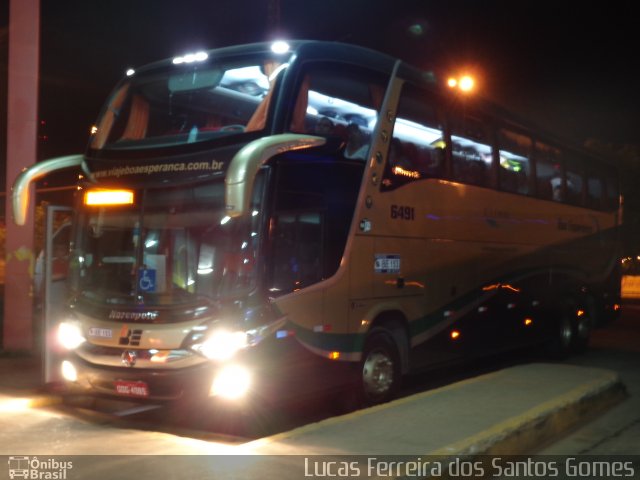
69	371
231	382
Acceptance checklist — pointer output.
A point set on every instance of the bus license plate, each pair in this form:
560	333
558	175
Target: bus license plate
132	389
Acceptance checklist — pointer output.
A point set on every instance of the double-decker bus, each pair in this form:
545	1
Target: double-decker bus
253	222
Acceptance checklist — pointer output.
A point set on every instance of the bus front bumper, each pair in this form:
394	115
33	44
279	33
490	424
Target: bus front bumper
163	385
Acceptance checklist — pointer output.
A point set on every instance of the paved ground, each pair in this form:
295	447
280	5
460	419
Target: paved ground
617	432
502	412
513	410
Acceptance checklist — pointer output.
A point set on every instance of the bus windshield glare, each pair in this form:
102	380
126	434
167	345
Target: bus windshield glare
187	103
171	247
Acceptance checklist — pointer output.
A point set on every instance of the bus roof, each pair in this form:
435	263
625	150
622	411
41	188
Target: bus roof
375	60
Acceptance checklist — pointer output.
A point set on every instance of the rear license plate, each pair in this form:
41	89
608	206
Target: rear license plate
131	389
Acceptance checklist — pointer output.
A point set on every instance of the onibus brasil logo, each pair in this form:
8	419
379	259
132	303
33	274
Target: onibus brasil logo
33	468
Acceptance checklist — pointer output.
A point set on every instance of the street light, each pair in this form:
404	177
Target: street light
464	83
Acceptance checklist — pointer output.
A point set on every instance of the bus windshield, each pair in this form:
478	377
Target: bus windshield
187	103
171	247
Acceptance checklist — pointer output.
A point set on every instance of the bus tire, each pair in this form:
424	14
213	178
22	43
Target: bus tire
380	370
584	326
562	338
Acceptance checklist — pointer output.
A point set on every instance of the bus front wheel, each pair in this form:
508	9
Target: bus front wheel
380	368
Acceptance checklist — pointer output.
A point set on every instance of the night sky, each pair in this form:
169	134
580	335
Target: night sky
567	66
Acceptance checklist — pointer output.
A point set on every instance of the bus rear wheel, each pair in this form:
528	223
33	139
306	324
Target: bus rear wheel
584	327
380	368
562	338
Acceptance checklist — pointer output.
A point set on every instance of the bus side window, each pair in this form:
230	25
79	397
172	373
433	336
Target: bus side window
309	228
471	152
515	168
575	181
549	173
595	191
613	191
297	254
416	150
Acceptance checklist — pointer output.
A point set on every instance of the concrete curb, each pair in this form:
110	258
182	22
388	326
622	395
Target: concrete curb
354	416
521	432
537	426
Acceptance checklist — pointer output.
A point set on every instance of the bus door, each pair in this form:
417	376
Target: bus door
51	270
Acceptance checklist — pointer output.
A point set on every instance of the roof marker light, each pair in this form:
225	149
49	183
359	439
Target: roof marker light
191	58
280	47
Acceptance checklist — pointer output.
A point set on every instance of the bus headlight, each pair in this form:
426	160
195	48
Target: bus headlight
70	335
231	382
221	344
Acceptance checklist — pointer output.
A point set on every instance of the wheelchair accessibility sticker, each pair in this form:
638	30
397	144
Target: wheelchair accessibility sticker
147	280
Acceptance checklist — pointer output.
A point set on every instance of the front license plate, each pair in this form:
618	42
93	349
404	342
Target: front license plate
132	389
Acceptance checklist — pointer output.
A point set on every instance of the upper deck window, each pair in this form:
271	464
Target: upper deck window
188	103
471	151
339	101
595	190
574	171
515	152
549	172
416	150
613	190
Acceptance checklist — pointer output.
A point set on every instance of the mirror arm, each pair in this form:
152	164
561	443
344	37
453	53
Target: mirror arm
246	163
20	189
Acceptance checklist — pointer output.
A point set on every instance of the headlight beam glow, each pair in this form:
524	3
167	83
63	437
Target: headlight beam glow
232	382
70	335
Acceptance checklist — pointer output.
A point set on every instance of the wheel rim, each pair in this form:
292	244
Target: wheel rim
584	328
566	333
377	373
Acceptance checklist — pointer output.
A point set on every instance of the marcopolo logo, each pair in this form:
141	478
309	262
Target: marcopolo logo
34	468
132	316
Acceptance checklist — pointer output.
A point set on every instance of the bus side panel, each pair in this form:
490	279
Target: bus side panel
487	251
399	267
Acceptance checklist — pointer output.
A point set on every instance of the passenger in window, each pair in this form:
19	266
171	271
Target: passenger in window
324	126
556	189
357	143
